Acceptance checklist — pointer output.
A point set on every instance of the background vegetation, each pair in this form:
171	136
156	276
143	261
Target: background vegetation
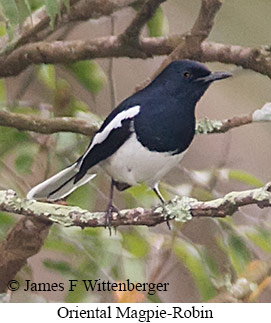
205	259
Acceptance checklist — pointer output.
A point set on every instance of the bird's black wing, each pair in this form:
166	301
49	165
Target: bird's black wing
115	130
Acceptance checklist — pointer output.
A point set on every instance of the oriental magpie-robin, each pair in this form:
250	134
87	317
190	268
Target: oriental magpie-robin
143	138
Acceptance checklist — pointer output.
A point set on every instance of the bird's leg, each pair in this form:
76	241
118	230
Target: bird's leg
110	208
158	193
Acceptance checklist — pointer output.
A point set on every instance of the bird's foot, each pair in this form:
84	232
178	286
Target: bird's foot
164	211
167	221
109	217
167	216
159	195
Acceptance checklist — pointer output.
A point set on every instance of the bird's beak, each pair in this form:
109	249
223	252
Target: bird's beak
215	76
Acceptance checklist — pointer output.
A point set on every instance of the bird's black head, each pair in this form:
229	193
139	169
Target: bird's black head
187	79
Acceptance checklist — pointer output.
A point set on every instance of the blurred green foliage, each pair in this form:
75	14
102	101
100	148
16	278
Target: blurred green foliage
140	254
194	258
158	24
15	12
89	74
245	177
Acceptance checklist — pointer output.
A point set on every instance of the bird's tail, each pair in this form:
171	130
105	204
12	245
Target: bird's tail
59	185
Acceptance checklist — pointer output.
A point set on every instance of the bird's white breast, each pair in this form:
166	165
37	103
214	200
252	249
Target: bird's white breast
132	163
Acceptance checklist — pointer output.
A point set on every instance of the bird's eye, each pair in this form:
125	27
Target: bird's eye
186	75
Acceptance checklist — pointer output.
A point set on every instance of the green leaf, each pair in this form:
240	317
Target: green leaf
47	75
11	138
10	11
89	74
140	193
35	4
135	243
134	269
154	298
66	142
60	266
67	4
3	29
244	177
83	197
25	157
60	245
201	193
261	237
24	10
196	264
6	219
158	24
77	106
24	163
10	30
11	14
77	295
3	91
53	9
238	252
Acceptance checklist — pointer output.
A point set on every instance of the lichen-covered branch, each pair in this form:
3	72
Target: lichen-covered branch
179	209
207	126
26	238
89	127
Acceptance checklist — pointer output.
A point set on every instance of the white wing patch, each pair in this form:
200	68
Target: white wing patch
114	124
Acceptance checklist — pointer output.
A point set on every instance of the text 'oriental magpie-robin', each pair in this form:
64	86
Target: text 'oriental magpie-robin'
143	138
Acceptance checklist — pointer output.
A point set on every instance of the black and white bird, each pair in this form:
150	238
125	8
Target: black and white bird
143	138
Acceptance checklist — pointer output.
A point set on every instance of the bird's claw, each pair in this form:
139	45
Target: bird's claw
167	221
167	217
109	217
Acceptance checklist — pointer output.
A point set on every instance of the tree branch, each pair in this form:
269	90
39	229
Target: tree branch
37	27
23	241
191	41
256	59
200	31
32	27
180	209
48	126
132	32
27	237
